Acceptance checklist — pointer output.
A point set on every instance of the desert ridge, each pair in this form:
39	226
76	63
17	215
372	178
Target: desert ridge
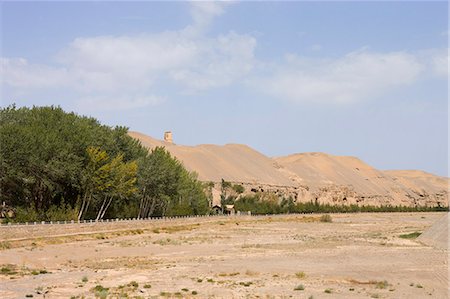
307	176
231	162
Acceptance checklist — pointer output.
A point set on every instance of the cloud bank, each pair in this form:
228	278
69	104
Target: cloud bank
353	77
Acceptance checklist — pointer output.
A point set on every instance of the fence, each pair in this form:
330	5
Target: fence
149	219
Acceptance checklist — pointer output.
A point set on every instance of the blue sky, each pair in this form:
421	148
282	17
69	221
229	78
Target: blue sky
366	79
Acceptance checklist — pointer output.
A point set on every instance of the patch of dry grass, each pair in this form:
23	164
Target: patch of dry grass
229	274
119	263
251	273
382	284
178	228
76	237
14	271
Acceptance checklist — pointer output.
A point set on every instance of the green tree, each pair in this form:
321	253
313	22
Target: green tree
167	188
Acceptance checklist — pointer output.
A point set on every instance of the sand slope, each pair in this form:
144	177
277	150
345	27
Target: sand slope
437	234
319	169
419	180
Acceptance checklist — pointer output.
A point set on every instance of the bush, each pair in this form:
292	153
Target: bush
410	236
326	218
59	212
239	189
300	287
382	284
133	284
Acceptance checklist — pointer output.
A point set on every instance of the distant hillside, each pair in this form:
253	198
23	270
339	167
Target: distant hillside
308	176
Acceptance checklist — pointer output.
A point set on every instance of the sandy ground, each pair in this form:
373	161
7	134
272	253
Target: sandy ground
355	256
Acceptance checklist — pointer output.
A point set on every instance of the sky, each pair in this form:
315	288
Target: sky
365	79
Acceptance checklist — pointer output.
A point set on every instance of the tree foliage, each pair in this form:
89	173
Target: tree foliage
167	188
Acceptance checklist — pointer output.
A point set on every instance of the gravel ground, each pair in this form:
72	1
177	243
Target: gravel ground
292	256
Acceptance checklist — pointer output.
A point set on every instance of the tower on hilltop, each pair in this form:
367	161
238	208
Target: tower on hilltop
168	137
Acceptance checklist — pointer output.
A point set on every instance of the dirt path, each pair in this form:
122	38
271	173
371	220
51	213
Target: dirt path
355	256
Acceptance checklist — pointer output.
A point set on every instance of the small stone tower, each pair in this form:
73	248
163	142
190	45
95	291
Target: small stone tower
168	137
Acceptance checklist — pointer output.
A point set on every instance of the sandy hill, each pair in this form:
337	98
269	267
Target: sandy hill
319	169
232	162
308	176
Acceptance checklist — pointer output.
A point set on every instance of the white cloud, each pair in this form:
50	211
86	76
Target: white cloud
114	103
19	73
354	77
111	64
440	63
221	62
203	12
126	62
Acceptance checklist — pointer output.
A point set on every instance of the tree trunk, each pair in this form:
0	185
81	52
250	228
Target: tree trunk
101	209
80	213
140	209
152	206
107	206
146	205
87	205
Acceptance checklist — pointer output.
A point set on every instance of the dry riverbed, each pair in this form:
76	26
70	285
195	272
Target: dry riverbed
291	256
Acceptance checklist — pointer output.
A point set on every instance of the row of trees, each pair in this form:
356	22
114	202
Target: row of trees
55	164
265	204
261	203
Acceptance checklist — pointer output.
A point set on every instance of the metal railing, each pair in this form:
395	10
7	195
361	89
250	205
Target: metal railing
124	220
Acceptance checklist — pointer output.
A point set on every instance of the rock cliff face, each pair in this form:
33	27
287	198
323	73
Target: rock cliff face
308	176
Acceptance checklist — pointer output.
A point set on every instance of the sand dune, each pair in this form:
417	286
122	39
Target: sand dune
332	179
319	169
232	162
